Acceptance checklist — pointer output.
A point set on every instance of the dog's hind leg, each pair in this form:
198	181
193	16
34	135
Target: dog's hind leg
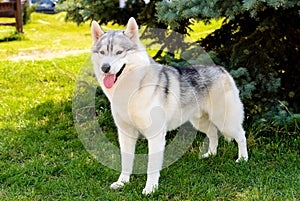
225	111
204	125
230	126
238	134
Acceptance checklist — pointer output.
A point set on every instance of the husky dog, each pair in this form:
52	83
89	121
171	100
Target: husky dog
149	99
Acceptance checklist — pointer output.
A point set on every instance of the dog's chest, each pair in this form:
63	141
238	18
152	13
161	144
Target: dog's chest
142	109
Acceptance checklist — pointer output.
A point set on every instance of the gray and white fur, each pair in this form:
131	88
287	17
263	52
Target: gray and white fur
149	99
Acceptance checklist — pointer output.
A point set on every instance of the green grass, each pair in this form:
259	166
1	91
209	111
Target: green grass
42	158
46	33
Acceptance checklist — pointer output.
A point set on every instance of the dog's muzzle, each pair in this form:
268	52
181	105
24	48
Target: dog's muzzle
110	79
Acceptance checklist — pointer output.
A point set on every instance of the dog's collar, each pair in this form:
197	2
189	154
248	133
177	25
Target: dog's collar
120	72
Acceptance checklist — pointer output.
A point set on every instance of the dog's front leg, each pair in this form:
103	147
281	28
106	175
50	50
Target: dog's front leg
127	145
156	147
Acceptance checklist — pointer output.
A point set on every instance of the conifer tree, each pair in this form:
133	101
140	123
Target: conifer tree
259	42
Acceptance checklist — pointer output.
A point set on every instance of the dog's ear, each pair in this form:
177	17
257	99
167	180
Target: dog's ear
132	30
96	31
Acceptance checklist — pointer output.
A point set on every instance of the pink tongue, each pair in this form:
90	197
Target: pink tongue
109	81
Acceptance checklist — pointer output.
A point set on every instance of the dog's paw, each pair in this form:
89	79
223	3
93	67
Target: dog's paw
208	154
240	159
149	189
117	185
123	178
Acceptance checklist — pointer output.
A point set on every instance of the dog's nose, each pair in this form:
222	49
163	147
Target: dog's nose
105	67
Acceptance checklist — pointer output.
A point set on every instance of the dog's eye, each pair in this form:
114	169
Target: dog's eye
119	52
102	52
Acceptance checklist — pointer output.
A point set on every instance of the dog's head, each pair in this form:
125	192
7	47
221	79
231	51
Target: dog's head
111	51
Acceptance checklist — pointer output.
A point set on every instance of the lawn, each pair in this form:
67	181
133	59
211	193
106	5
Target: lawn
42	157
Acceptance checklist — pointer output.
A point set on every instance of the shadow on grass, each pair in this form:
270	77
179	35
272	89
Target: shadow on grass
45	155
51	115
15	36
49	128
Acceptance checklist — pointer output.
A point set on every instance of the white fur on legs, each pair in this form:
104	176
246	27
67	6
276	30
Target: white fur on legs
213	137
242	145
239	136
127	146
151	184
156	147
206	126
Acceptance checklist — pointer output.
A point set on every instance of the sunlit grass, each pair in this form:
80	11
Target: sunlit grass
46	33
51	33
